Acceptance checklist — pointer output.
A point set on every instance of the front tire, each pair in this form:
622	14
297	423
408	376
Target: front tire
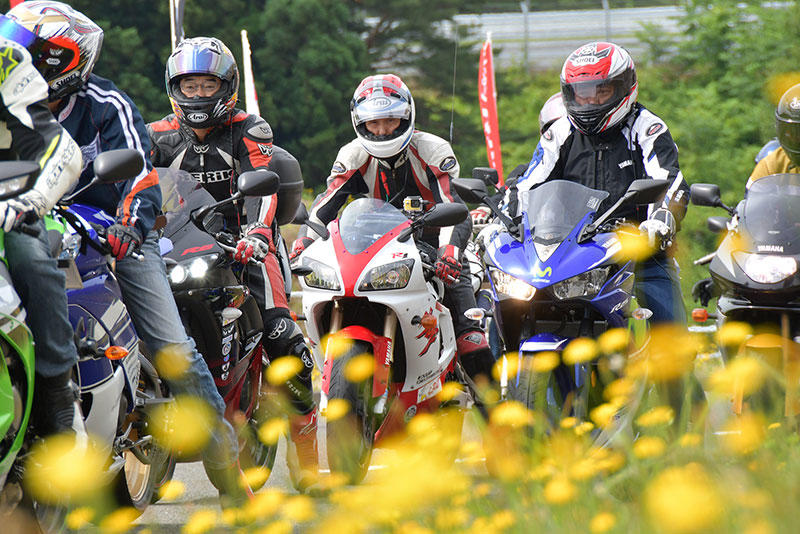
350	438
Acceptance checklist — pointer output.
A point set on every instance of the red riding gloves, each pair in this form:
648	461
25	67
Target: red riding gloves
299	246
448	268
123	240
257	244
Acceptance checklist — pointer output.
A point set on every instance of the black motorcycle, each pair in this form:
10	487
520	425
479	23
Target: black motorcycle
755	279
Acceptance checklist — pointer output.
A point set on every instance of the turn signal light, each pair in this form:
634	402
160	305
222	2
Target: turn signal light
115	352
699	315
428	322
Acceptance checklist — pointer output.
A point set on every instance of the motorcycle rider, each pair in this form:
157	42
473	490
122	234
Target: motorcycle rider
214	141
785	158
552	110
390	160
31	133
606	141
100	117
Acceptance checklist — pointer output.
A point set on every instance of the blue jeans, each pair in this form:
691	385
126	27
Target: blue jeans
658	289
40	285
148	297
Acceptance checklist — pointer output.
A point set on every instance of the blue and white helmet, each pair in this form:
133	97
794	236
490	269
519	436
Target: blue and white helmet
383	96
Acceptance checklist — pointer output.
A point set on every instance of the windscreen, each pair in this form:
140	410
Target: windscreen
771	213
366	220
180	194
555	207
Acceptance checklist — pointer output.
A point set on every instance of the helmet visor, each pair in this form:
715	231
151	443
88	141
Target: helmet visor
592	95
199	61
49	64
381	106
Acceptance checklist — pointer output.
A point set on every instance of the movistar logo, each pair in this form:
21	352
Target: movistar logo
542	273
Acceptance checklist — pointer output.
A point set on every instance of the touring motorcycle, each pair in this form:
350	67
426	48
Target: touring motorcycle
557	274
370	281
755	280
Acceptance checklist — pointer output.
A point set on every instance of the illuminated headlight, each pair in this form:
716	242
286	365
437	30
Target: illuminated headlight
196	268
511	286
764	268
12	186
178	274
390	276
586	284
321	276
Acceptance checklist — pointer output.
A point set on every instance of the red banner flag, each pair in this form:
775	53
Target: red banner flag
487	97
15	2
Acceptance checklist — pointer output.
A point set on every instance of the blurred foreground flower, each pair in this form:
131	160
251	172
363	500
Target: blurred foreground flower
201	521
733	333
270	431
682	500
359	368
744	434
282	369
183	426
580	350
614	340
511	413
59	471
336	409
602	522
120	520
634	246
172	361
744	374
559	490
668	356
660	415
334	345
780	83
649	447
544	362
171	490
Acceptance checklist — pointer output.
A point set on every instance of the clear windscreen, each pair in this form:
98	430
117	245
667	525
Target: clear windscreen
771	212
366	220
554	208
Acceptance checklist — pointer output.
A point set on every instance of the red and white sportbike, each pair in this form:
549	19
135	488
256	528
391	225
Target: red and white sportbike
370	281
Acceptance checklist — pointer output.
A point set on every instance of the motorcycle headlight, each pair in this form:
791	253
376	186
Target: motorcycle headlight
390	276
321	276
195	268
765	268
511	286
586	284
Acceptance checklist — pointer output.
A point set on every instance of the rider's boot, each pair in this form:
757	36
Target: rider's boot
477	360
302	454
55	406
230	482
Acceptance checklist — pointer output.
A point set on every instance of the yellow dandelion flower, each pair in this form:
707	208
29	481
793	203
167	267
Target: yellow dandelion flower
282	369
541	471
271	430
511	413
649	447
254	477
568	422
603	415
621	388
471	453
744	374
451	518
120	520
774	426
503	519
511	365
334	346
172	361
602	522
559	490
481	490
614	340
171	490
412	527
359	368
779	83
185	425
734	333
580	350
759	526
660	415
584	428
298	509
583	469
450	390
58	470
683	499
744	434
635	246
690	440
611	463
668	356
336	409
544	362
265	503
79	518
200	522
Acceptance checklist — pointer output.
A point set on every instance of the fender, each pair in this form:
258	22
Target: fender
381	350
543	342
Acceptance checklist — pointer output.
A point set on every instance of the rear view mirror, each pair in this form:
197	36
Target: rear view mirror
214	222
258	183
448	214
647	191
706	195
17	177
470	189
118	165
718	224
487	175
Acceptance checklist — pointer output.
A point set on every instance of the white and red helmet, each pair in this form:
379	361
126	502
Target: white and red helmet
383	96
599	87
